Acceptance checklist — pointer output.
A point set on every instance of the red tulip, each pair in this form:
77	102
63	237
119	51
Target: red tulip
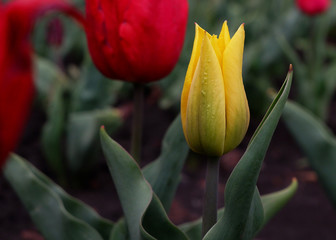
313	7
136	40
16	74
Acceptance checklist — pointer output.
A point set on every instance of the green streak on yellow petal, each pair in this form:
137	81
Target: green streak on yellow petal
205	118
199	34
237	111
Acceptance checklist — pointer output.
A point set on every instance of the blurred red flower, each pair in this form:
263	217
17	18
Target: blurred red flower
139	42
55	33
136	40
313	7
16	74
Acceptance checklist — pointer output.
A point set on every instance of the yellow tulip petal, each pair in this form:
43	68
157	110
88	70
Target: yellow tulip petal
224	36
199	33
205	118
214	108
216	46
237	111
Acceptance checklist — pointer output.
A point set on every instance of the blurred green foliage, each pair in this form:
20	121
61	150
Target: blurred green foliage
313	55
76	97
264	61
146	194
276	35
318	143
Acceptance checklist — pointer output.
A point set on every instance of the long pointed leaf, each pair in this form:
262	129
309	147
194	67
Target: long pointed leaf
164	173
155	223
74	206
83	136
53	131
119	231
46	208
133	190
255	216
141	207
241	186
317	142
272	204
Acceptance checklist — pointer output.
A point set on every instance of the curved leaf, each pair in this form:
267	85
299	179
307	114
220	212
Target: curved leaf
137	198
156	223
48	76
317	142
55	214
242	204
164	173
272	204
134	191
76	207
255	217
119	231
53	131
194	229
83	136
94	91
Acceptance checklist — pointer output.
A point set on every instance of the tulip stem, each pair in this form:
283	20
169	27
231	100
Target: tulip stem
210	196
138	107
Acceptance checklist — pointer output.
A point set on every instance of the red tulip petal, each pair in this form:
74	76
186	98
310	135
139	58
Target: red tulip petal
136	40
152	36
16	74
313	7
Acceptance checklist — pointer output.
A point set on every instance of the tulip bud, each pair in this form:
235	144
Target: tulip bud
313	7
214	109
136	41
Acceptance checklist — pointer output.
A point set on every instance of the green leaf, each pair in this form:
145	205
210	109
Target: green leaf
119	231
81	139
164	173
52	88
137	198
272	204
57	215
156	223
243	215
134	191
194	229
317	142
83	136
76	207
94	91
48	76
255	216
53	131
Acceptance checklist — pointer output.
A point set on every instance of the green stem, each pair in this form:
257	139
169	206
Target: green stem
137	121
210	197
316	81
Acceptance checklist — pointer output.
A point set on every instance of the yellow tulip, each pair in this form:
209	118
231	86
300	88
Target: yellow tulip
214	109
